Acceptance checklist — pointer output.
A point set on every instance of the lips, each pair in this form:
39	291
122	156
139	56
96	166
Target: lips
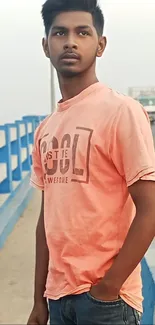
70	56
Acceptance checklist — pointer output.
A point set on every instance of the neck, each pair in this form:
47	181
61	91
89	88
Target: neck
71	87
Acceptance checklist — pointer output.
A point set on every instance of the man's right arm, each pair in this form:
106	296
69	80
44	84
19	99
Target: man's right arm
39	313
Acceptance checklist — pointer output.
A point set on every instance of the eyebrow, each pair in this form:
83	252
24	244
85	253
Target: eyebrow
65	28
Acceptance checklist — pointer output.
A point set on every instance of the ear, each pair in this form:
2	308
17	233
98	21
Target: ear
45	47
101	46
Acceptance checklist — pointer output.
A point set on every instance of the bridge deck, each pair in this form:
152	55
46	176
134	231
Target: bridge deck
17	267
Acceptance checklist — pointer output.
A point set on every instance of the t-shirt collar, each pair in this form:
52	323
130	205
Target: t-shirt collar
70	102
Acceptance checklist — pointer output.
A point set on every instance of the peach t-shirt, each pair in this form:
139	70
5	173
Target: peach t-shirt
85	156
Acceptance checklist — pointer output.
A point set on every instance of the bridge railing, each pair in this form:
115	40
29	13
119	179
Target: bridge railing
16	143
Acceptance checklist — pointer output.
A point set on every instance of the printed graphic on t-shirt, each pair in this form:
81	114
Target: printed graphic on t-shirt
68	158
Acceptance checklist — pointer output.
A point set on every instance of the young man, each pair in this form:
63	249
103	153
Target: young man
94	161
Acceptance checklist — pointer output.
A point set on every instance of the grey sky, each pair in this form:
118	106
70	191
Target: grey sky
24	72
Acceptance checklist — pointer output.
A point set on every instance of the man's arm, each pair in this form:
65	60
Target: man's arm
39	313
42	257
138	240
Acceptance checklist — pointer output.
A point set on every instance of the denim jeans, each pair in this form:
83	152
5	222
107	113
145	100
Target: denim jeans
85	310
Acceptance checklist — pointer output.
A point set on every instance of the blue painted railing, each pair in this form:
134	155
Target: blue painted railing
16	142
148	276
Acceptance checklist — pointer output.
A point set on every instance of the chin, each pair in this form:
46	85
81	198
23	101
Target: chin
69	73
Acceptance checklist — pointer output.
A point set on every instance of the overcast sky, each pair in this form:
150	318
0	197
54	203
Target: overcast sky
24	71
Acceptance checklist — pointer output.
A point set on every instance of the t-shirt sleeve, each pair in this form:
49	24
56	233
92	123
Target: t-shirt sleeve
131	146
36	179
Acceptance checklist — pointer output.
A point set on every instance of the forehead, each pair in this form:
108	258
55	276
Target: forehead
73	19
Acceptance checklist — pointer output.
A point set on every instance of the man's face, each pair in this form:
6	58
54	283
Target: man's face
73	43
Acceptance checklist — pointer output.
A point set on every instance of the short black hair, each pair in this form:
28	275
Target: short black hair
52	8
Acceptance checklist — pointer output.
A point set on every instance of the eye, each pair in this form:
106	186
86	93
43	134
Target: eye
61	33
84	33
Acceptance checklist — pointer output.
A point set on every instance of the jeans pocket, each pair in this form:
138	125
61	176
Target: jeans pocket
138	316
119	301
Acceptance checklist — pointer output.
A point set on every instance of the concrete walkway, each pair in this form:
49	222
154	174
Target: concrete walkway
17	268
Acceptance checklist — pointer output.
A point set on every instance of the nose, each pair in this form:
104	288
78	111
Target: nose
70	43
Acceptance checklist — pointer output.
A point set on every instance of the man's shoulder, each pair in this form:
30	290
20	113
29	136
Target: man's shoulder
119	98
122	102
